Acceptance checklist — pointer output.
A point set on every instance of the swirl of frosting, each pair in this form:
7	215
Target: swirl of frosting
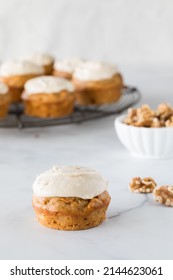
47	84
67	65
3	88
70	181
19	67
94	71
40	58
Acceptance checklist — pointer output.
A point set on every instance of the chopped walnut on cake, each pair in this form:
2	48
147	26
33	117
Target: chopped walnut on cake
146	185
164	195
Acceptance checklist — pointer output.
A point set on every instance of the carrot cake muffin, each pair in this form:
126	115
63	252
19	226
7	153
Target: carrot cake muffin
70	198
48	96
4	100
65	68
97	83
15	73
42	59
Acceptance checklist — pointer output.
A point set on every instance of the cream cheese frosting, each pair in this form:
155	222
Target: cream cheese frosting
47	84
70	181
3	88
19	67
67	65
40	58
94	71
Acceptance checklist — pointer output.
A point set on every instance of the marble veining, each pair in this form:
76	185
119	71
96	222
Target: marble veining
129	209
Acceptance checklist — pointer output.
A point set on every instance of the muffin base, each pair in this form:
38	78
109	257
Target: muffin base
18	81
49	105
48	69
71	213
3	110
4	105
62	74
15	94
99	92
16	85
88	97
71	223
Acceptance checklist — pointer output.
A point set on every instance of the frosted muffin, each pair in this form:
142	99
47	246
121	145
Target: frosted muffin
42	59
4	100
65	68
97	83
48	96
70	198
15	73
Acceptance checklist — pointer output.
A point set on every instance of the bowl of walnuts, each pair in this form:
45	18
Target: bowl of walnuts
147	133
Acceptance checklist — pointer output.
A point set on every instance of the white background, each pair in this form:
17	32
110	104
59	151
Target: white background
122	31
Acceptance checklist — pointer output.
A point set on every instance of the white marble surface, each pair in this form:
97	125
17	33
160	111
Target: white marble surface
117	30
136	227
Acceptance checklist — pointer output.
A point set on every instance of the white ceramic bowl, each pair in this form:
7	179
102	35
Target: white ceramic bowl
145	142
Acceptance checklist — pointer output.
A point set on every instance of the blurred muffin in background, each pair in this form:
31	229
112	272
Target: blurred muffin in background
48	96
42	59
4	100
97	83
66	67
15	73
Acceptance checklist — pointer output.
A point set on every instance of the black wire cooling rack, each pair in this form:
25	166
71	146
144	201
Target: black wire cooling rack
16	117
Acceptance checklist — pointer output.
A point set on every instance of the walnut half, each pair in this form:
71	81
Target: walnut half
146	185
164	195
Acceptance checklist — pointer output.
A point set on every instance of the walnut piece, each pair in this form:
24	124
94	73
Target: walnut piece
156	123
141	117
131	117
146	117
164	195
164	111
146	185
169	122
